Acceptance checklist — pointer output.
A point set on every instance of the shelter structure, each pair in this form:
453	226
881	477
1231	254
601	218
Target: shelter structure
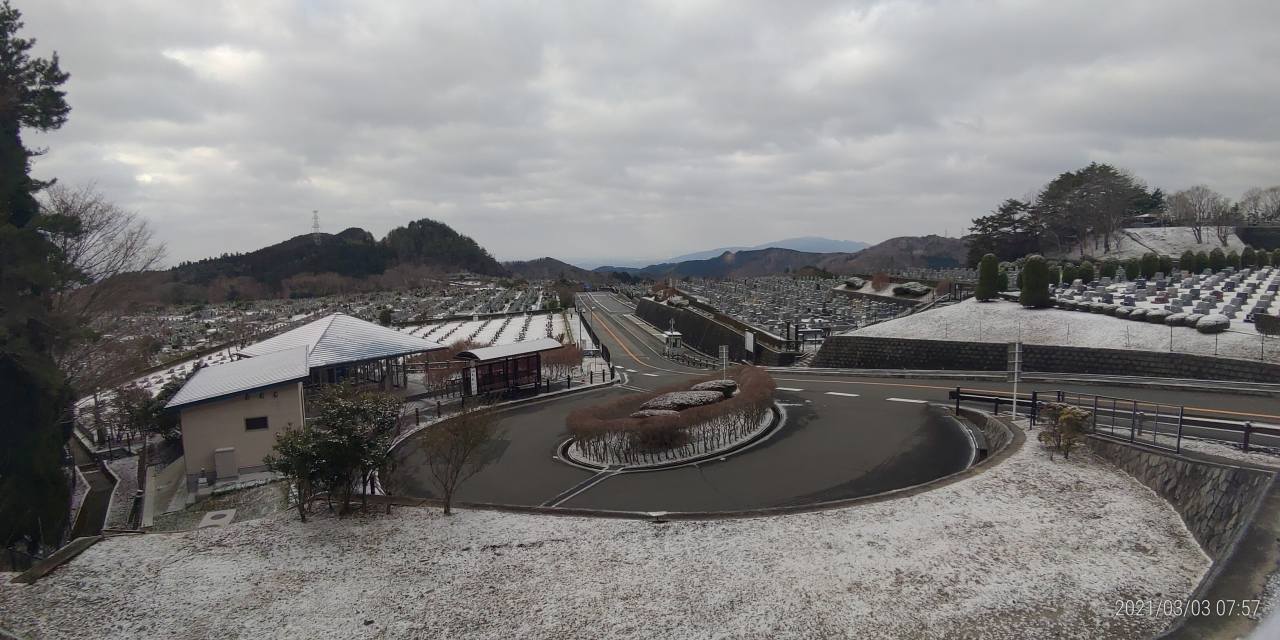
231	413
505	367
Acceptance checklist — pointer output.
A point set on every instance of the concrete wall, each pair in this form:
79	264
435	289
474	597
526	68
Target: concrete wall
220	423
997	434
1215	501
865	352
706	335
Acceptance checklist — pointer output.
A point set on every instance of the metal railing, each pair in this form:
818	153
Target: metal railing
1153	424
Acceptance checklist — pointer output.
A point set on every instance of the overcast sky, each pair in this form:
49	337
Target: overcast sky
630	129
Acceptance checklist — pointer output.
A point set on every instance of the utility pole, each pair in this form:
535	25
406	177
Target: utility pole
315	226
1015	369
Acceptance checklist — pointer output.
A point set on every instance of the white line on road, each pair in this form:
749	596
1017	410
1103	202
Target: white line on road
651	375
912	401
789	389
846	395
631	370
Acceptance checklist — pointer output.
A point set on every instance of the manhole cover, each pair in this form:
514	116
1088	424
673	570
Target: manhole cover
218	518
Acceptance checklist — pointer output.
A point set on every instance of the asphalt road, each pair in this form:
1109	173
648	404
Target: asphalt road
843	437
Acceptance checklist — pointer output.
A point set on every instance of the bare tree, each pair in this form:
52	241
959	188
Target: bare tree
103	243
1197	207
1261	205
457	449
109	241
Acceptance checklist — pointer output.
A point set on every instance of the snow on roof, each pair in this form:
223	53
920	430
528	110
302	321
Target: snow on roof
339	338
243	375
511	350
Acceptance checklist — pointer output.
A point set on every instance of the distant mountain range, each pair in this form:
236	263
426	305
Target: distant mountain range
354	260
807	244
896	253
353	253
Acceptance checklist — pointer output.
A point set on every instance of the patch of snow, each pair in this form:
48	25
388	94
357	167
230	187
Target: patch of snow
1261	457
1032	548
1000	321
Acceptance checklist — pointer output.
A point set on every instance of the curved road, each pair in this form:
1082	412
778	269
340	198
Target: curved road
843	437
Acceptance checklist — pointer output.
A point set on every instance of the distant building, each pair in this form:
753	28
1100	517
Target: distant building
231	413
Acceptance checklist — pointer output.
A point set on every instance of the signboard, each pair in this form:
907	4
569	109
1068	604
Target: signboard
749	342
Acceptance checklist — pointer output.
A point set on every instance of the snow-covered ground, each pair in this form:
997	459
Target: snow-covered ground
1008	321
1169	241
126	472
1265	457
1032	548
490	331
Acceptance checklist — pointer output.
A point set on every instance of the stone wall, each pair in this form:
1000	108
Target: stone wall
1215	501
865	352
706	335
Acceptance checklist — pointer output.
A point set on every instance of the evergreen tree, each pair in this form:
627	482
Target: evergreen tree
1275	258
1188	260
1035	283
1217	259
988	277
1202	261
1166	264
1086	272
1150	265
34	394
1249	257
1234	260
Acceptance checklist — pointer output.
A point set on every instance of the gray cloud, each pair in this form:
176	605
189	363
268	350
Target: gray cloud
643	129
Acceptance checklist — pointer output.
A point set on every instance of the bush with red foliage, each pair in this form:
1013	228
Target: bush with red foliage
606	432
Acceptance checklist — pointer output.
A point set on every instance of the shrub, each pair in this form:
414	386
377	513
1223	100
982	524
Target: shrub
1217	259
1002	280
1188	260
1132	268
1267	325
1202	261
1275	258
608	432
1249	257
1064	428
880	281
1109	268
1086	272
1264	258
1149	265
1035	283
1166	265
1233	260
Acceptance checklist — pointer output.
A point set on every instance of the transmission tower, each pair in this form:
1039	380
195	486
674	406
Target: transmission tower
315	226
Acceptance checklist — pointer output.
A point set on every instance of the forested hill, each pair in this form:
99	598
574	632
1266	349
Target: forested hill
352	253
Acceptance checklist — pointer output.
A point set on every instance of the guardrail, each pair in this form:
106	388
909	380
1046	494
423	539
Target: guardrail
1158	425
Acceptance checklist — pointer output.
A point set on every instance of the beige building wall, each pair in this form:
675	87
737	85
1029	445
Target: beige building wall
216	424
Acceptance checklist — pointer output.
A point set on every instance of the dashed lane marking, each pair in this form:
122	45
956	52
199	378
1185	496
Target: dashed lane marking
789	389
846	395
911	400
651	375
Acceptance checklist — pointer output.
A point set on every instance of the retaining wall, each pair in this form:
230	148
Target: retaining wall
1215	501
866	352
706	335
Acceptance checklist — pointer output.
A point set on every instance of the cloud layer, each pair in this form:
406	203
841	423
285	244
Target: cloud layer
643	129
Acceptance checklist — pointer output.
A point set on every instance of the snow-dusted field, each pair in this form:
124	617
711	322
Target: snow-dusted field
490	331
1007	321
1169	241
1029	549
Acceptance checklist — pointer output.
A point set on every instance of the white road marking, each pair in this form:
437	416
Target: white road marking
789	389
912	401
846	395
651	375
631	370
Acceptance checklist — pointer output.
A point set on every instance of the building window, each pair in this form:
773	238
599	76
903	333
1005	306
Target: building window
254	424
